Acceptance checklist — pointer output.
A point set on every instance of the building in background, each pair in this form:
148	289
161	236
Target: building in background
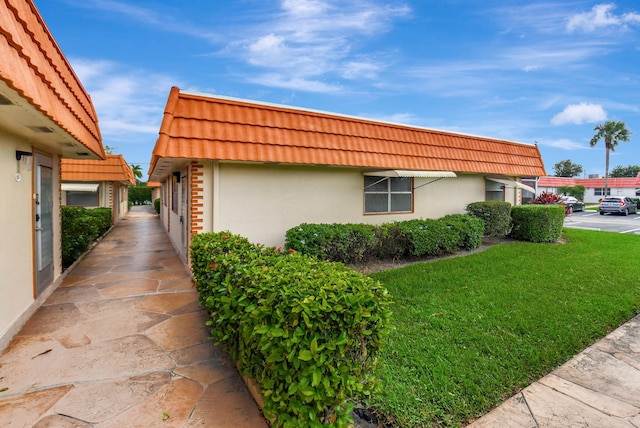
97	183
260	169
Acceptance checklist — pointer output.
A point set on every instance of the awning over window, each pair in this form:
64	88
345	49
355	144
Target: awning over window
511	183
80	187
405	173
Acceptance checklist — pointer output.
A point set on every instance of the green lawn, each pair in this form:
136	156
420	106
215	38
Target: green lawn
471	331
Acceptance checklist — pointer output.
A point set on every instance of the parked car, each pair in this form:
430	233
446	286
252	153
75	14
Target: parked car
617	205
572	203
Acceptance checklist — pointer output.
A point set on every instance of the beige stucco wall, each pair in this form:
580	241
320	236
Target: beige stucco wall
262	202
17	301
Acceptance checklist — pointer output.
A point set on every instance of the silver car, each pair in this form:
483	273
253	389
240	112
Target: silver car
617	205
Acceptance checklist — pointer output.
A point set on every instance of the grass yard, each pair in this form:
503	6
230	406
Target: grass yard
472	331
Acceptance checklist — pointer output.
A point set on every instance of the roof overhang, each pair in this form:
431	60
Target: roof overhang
79	187
407	173
512	183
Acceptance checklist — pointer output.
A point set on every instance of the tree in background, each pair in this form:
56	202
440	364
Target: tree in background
625	171
576	191
612	133
566	168
137	172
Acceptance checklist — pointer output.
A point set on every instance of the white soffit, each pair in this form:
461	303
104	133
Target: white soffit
512	183
405	173
80	187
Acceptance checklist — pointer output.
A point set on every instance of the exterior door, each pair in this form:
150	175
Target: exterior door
43	221
184	214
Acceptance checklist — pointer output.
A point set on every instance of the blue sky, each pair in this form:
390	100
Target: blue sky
524	71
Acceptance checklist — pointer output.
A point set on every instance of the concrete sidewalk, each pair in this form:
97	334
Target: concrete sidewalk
600	387
123	343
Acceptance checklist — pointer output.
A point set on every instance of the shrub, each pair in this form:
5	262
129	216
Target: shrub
80	227
546	198
156	205
470	229
354	243
537	223
393	244
347	243
307	331
429	237
495	214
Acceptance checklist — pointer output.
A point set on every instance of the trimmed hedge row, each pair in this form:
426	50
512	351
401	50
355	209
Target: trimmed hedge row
495	214
307	331
80	227
537	223
353	243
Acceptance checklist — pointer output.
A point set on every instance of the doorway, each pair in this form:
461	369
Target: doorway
43	220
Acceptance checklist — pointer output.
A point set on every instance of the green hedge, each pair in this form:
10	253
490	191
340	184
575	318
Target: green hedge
337	242
80	227
307	331
353	243
139	195
156	205
537	223
495	214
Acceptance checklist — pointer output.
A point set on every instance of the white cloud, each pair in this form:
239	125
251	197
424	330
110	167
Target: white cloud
310	39
277	80
268	51
578	114
127	101
360	70
600	16
304	7
164	19
565	144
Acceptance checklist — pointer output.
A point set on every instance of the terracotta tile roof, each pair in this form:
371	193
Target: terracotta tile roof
153	184
112	168
209	127
556	181
33	65
626	182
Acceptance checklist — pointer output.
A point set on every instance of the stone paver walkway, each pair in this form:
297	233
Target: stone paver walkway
598	388
123	343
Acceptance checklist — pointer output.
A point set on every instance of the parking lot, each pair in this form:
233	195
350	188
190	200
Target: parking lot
592	220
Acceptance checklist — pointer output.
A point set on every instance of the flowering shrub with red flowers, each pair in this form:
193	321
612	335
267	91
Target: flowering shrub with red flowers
546	198
307	331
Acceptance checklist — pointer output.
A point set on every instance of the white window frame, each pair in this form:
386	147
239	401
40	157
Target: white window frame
388	192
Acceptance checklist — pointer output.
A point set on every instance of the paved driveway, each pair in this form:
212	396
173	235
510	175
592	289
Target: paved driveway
592	220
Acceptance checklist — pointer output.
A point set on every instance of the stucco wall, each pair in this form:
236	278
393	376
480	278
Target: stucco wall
16	253
17	301
262	202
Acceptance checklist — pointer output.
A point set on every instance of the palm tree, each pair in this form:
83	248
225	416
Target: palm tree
612	132
137	171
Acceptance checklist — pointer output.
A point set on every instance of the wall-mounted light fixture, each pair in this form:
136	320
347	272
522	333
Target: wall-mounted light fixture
25	162
176	174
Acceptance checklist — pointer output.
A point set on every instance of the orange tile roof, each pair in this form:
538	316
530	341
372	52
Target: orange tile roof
626	182
209	127
33	65
112	168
